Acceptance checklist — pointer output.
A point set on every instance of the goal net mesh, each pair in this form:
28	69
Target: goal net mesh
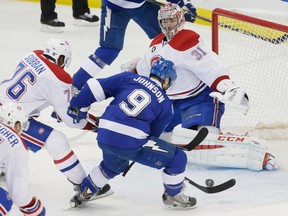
253	44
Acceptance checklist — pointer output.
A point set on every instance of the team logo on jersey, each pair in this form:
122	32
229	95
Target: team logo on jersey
41	130
154	59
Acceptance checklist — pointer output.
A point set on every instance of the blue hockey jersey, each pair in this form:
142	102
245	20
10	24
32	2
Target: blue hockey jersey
140	108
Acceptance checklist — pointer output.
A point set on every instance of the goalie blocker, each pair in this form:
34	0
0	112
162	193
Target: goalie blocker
227	151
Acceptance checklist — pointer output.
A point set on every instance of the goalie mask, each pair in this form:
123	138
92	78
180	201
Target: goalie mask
56	48
12	113
171	20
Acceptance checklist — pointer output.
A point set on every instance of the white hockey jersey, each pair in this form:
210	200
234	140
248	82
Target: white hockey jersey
197	66
14	156
37	84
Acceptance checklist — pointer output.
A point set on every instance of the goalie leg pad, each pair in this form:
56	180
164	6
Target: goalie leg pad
224	150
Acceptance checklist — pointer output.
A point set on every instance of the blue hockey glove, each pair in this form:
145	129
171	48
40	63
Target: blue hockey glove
189	17
191	13
190	7
77	114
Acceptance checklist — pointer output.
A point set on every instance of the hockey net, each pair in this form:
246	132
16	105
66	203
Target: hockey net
254	46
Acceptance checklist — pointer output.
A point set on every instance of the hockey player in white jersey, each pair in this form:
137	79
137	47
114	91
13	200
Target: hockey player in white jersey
115	17
14	156
203	84
129	130
40	81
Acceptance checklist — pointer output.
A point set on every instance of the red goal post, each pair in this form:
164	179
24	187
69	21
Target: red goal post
254	46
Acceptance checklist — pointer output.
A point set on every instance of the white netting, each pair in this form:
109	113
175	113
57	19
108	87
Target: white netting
258	60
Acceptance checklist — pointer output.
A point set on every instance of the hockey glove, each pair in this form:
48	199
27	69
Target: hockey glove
269	162
77	113
56	116
92	123
234	97
131	65
34	208
190	13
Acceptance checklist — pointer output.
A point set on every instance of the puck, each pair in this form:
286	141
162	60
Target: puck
209	182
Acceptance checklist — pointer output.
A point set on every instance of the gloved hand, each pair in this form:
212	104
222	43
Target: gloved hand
56	116
190	12
77	113
235	97
189	17
130	65
190	7
35	207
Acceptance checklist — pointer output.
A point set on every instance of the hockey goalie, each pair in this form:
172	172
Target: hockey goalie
227	150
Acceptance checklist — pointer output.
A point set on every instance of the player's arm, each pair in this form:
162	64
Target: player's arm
208	68
17	180
190	14
80	105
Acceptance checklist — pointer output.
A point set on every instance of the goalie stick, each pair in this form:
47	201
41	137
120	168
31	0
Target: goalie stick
277	40
214	189
200	136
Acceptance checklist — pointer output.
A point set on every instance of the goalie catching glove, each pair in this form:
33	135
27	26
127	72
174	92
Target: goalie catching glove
232	95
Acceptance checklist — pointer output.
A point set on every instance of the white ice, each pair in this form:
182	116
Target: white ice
139	193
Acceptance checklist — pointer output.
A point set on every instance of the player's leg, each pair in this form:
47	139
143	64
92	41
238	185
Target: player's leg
146	18
82	15
39	135
159	154
156	153
111	43
201	111
49	21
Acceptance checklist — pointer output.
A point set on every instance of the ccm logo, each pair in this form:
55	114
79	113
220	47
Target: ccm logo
231	138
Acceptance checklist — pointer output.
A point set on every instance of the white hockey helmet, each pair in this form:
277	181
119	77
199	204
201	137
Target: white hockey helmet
171	19
11	113
58	47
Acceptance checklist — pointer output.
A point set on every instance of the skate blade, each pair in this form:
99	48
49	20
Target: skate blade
74	204
51	29
80	22
180	207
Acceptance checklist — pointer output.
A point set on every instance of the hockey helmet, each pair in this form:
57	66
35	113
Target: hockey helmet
12	113
171	19
58	47
164	69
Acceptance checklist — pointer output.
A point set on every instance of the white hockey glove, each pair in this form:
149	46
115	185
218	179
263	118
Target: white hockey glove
131	65
234	97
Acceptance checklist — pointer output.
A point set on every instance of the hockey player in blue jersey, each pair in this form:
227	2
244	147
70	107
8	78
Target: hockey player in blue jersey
115	16
129	130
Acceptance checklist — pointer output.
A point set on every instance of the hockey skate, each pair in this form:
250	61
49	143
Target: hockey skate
269	162
52	26
82	197
179	201
86	19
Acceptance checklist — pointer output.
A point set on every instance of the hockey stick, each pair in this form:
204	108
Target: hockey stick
277	40
200	136
214	189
